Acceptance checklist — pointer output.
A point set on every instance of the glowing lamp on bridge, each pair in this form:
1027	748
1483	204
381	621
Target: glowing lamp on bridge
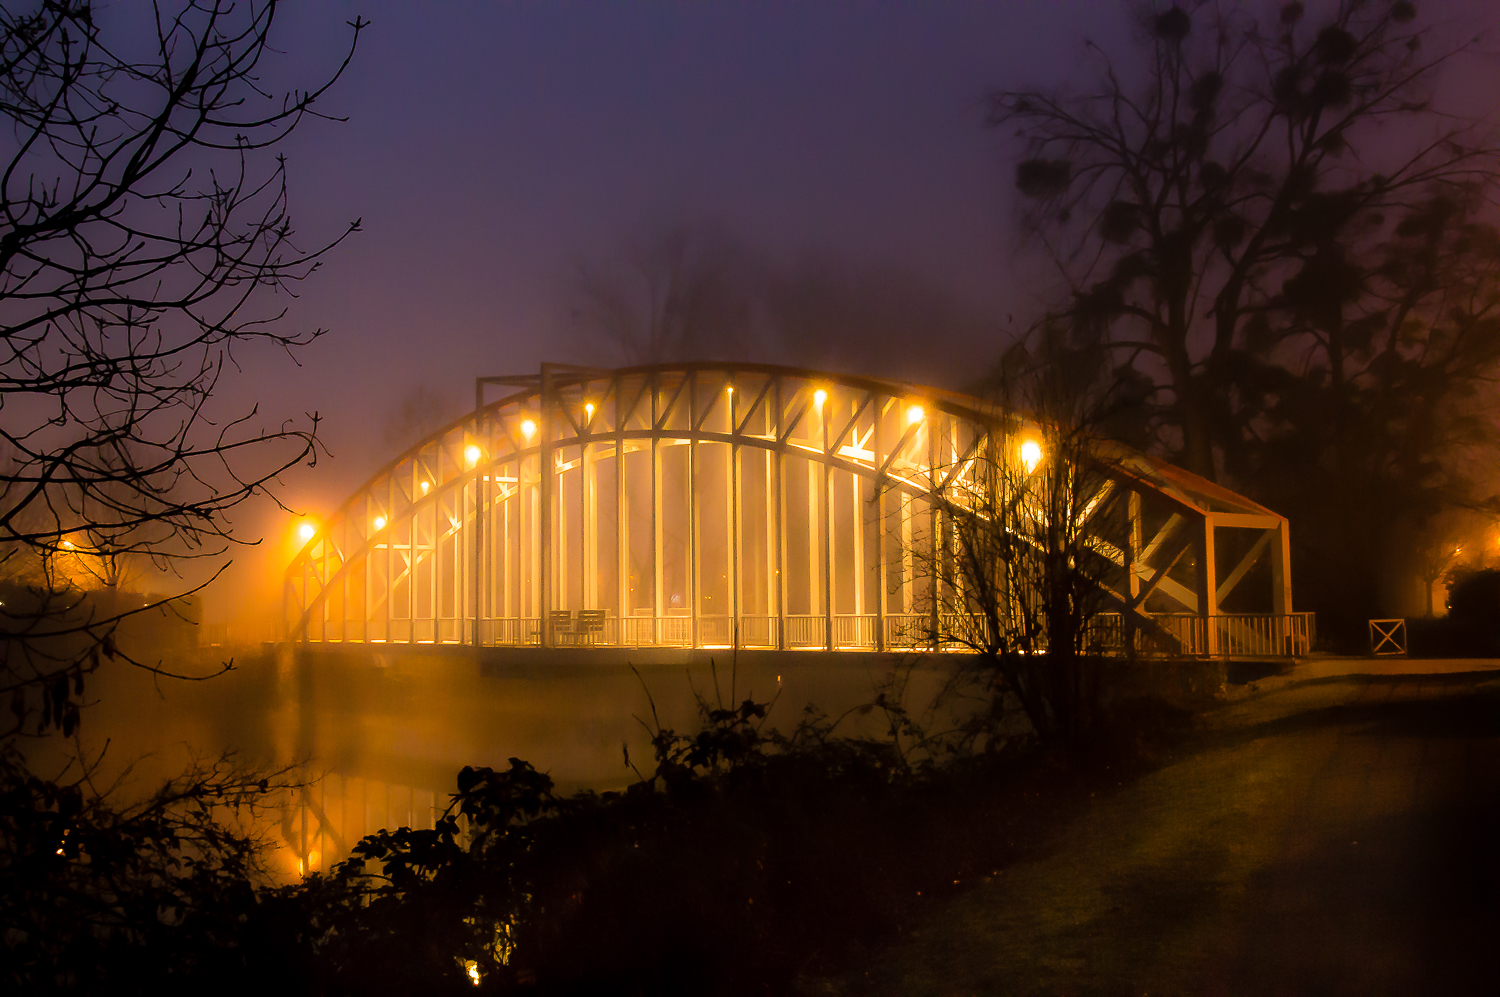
914	415
307	530
819	397
379	522
588	410
472	454
528	428
1031	455
426	485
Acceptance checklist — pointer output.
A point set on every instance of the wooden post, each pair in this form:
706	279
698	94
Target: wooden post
1208	586
1281	588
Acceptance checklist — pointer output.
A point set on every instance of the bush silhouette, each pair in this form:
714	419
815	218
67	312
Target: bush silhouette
1474	612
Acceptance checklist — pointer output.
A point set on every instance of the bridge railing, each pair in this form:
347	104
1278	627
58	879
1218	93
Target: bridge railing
1168	634
1251	635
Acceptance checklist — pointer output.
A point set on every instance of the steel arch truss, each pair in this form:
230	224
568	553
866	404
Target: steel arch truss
707	505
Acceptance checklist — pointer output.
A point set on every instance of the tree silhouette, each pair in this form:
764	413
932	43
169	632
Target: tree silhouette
684	294
143	225
1275	224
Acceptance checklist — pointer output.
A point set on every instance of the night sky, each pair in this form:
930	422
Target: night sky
491	147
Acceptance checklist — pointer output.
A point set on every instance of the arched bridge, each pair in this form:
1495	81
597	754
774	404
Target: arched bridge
714	505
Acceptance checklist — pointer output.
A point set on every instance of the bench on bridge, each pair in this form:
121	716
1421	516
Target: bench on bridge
586	629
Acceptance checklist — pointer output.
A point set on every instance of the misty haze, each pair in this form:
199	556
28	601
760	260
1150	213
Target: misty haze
719	499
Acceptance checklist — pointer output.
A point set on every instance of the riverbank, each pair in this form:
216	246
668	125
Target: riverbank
1330	830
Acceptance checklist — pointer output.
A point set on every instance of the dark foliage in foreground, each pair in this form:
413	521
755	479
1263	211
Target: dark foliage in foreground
745	857
141	898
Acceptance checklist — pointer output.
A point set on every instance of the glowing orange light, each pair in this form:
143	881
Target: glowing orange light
426	485
68	544
528	428
472	968
472	454
914	415
819	397
380	522
307	531
1031	455
588	409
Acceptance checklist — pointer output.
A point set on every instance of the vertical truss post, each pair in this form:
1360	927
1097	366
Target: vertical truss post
881	586
1281	574
694	545
1133	543
814	534
857	526
906	512
544	501
1208	586
934	529
390	544
769	538
658	577
991	501
433	572
366	572
506	560
622	514
589	466
561	589
734	524
781	559
533	533
825	526
476	556
1281	588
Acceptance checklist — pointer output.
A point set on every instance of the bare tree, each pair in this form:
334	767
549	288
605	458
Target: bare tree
143	225
1021	570
832	314
1255	151
685	294
421	412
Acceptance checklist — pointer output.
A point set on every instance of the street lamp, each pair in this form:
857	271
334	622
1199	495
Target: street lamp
1031	455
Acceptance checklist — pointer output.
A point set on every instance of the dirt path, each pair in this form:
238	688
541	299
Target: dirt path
1337	834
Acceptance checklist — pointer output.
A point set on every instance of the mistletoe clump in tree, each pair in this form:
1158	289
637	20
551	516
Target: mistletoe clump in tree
1269	218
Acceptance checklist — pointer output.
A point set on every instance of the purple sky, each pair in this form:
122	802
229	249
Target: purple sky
490	146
